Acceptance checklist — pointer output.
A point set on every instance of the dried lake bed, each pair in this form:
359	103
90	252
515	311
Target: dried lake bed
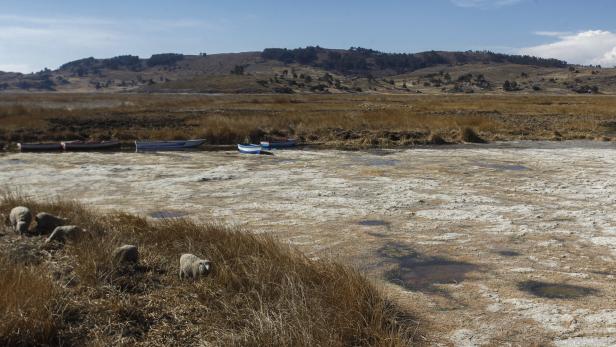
501	244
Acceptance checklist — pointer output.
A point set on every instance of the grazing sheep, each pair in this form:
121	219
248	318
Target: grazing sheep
192	266
126	254
47	222
20	219
62	233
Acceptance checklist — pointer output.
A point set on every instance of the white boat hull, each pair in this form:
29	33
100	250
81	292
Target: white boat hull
249	149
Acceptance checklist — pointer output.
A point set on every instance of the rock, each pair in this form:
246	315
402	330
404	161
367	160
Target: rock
47	222
63	233
126	254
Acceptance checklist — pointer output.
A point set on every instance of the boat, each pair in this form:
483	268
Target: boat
40	146
167	145
278	144
89	145
249	148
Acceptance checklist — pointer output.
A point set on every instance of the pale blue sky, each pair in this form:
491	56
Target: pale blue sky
37	34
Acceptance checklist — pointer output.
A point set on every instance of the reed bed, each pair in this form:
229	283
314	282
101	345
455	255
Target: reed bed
341	120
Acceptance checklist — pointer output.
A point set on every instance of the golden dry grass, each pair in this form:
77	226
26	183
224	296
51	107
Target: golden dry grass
259	293
30	305
341	120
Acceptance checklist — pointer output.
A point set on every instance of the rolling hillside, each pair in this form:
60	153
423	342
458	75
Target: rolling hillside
319	70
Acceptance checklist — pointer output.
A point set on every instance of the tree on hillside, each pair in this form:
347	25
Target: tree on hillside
164	59
510	86
238	70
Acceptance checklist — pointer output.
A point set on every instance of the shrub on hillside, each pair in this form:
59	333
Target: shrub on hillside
511	86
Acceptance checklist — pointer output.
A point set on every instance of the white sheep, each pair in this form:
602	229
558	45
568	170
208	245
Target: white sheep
20	219
192	266
47	222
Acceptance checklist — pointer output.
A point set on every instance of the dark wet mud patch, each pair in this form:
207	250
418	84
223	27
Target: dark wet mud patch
285	160
381	152
556	290
216	178
379	235
419	272
373	223
502	167
167	214
382	162
508	253
13	161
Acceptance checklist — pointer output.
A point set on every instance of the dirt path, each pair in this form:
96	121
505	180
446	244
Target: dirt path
506	244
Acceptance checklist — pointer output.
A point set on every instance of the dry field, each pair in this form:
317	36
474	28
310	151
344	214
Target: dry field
343	120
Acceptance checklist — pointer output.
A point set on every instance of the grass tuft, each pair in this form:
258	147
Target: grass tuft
30	305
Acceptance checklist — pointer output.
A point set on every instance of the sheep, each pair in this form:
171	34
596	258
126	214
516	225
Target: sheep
126	254
194	267
62	233
20	219
46	222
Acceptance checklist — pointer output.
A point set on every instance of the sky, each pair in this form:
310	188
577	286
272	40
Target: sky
37	34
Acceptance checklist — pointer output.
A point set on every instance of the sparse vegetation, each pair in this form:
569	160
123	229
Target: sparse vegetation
260	292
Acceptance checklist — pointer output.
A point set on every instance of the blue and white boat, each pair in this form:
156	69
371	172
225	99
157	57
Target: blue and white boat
278	144
167	145
249	148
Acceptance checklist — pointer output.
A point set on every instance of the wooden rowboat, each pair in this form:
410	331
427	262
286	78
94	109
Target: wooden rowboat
278	144
89	145
48	146
167	145
249	148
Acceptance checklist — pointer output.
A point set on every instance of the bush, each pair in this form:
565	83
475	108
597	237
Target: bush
238	70
469	135
511	86
436	139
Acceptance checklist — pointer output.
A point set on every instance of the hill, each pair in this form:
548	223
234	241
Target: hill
319	70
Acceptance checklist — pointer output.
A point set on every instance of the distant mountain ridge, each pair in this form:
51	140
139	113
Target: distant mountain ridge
314	69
